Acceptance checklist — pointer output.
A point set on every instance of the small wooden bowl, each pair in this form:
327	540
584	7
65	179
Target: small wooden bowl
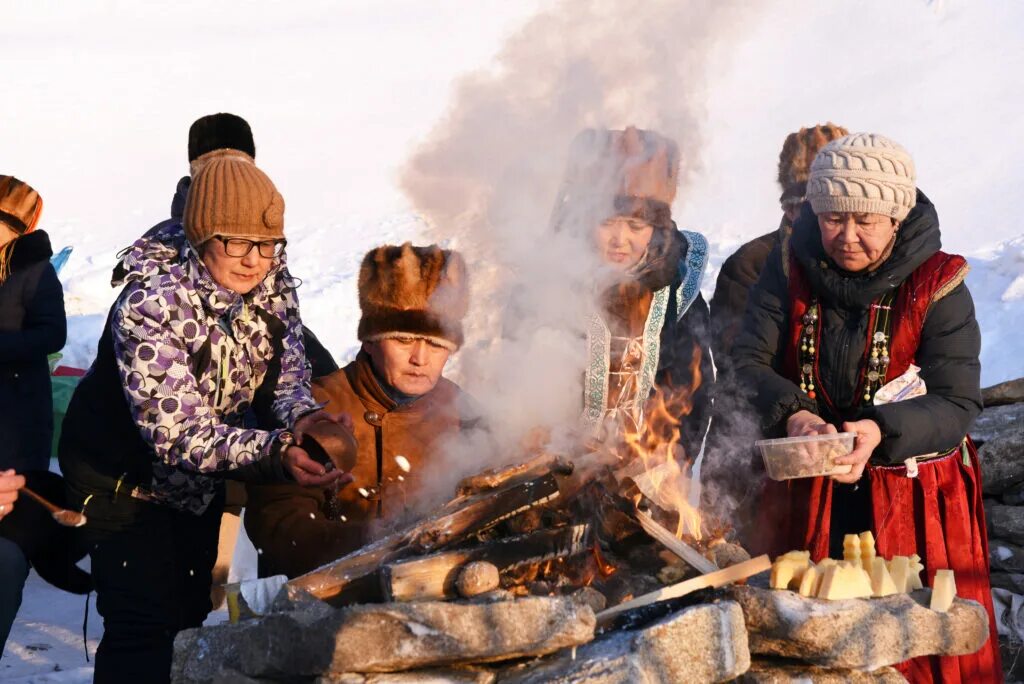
330	442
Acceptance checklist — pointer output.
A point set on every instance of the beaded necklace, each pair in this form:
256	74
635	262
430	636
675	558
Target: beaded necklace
880	321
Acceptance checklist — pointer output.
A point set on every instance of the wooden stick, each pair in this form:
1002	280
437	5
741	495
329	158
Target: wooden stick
434	576
719	578
686	552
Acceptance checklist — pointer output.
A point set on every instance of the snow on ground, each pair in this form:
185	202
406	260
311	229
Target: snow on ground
339	93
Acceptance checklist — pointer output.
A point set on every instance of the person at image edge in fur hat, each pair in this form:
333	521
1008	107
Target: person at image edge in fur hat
32	325
858	295
740	271
618	190
412	301
731	432
205	332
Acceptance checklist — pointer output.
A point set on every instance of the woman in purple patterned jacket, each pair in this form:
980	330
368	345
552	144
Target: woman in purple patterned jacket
200	375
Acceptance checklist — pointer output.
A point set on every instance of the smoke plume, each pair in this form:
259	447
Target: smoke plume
489	174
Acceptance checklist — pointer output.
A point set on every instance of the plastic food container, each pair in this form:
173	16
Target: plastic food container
812	456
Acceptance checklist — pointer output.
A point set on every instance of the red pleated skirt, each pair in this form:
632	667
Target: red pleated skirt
938	515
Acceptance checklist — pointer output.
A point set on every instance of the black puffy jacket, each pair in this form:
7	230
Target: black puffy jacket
947	354
32	325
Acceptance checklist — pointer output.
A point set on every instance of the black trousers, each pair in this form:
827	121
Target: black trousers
153	577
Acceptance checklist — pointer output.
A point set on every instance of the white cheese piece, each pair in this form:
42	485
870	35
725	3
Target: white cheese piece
914	576
867	550
899	570
810	583
943	590
851	548
789	568
845	581
881	580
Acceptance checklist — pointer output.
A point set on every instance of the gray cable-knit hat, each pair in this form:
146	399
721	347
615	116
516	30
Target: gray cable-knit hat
863	172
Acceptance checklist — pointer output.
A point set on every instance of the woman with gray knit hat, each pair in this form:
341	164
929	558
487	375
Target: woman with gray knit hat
205	334
856	305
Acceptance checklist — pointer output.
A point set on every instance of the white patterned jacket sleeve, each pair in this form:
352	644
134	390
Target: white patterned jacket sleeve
293	397
165	398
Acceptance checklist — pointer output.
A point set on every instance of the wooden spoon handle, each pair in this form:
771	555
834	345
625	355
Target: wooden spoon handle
43	502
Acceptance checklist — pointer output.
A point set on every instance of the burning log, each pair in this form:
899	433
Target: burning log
354	577
714	579
677	546
435	576
466	516
493	478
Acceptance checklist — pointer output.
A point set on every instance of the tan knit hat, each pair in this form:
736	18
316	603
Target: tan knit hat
863	172
229	196
420	291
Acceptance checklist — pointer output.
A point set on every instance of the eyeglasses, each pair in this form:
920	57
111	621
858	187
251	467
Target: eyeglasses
240	247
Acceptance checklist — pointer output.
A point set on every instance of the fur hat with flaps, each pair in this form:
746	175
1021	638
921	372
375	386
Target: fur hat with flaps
798	152
20	205
632	172
409	290
231	197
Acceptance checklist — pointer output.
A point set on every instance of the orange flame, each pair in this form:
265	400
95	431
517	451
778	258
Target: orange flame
656	446
605	568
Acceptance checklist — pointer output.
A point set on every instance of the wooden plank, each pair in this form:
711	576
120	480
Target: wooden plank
434	576
733	573
690	555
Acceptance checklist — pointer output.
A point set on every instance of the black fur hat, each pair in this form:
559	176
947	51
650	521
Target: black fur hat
217	132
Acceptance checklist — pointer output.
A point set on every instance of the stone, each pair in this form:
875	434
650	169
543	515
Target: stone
1005	556
1002	462
591	597
997	420
1011	581
725	554
858	634
703	643
1012	652
476	578
1014	496
1009	392
1005	523
450	676
383	638
766	671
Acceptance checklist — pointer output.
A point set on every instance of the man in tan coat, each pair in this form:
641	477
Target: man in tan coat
413	300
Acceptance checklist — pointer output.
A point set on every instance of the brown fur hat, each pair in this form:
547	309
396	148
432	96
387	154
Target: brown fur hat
20	205
799	151
409	290
611	172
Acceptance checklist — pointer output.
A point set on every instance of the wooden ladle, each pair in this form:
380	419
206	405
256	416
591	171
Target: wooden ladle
61	515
